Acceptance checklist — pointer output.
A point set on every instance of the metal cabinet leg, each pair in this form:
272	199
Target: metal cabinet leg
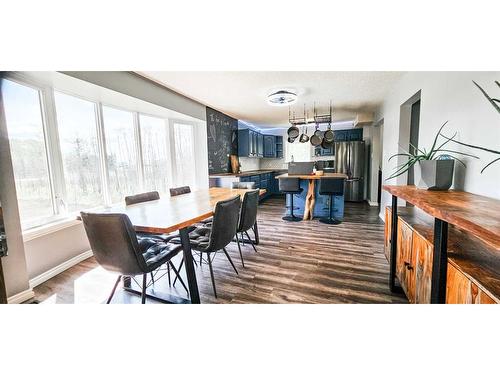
394	244
439	262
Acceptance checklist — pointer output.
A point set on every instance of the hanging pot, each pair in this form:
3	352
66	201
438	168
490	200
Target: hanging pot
304	137
291	140
329	135
316	138
325	144
293	132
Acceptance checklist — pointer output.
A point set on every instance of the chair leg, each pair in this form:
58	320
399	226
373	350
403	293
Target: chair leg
230	260
114	289
212	274
330	219
251	242
179	270
152	277
143	294
168	271
239	248
179	277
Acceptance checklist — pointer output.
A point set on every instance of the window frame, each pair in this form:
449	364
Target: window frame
48	110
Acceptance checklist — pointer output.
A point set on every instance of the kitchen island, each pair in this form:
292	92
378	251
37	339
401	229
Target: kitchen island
310	203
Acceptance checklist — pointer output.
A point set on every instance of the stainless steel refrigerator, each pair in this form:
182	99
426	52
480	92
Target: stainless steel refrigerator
350	159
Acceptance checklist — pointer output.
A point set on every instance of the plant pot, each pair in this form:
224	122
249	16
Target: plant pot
434	174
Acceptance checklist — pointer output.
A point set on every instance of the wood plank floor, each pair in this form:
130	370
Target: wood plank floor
304	262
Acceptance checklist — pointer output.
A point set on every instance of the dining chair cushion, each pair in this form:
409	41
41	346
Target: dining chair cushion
198	238
156	251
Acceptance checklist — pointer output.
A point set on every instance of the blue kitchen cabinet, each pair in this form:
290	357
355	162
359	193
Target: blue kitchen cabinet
269	146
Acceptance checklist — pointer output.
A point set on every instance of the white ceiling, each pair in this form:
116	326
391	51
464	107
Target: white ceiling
243	94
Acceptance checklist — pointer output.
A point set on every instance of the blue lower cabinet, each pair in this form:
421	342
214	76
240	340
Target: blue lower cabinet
321	206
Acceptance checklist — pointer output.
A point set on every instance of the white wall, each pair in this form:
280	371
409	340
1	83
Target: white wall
448	96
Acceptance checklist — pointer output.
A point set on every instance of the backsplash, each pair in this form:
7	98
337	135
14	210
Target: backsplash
249	164
273	164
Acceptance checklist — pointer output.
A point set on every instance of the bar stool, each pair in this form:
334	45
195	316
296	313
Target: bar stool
290	186
332	187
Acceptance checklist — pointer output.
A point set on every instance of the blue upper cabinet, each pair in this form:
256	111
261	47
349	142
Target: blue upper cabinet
340	136
269	146
256	145
260	145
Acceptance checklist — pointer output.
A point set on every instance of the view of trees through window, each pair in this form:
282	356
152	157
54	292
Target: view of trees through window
73	161
121	153
184	154
154	153
76	120
29	155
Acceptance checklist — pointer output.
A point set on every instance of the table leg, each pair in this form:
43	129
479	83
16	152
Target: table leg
188	262
394	244
439	262
309	203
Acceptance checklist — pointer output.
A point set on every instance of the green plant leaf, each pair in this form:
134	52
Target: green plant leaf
444	143
495	105
491	162
460	153
473	146
404	168
435	141
498	83
416	149
400	154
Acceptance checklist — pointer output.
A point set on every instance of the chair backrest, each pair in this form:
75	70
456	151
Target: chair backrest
180	190
243	185
248	213
142	197
114	242
289	184
331	186
224	223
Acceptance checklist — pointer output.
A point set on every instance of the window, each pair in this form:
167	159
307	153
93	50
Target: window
184	154
79	144
22	105
154	148
121	153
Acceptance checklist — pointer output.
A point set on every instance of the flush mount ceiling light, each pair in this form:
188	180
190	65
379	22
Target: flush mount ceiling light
282	97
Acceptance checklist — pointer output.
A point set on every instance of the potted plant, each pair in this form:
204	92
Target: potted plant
434	168
495	103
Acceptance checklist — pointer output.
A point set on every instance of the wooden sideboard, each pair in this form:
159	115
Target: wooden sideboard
473	270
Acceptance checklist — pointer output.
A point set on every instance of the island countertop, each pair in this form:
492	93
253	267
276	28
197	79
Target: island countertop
246	173
313	176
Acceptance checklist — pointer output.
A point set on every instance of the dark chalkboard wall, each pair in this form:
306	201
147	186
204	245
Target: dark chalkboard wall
222	134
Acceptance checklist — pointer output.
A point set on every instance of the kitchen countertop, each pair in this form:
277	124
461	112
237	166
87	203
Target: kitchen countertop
313	176
246	173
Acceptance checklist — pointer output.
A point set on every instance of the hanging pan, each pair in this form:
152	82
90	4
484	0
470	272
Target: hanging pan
304	137
291	140
329	136
325	144
316	138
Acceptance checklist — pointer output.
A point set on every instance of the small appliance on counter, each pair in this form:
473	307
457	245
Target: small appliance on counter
300	168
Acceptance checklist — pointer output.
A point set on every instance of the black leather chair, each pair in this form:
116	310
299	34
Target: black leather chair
211	239
243	185
248	218
117	248
290	186
333	187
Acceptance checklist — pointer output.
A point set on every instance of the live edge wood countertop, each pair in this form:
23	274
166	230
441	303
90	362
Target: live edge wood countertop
473	213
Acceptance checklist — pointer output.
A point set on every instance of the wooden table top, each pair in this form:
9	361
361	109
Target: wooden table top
473	213
169	214
312	176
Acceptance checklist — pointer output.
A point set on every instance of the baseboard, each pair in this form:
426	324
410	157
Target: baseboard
21	297
372	203
37	280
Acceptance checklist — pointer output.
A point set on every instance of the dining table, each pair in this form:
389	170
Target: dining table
177	213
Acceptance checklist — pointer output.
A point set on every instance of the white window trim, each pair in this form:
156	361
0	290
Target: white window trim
62	219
